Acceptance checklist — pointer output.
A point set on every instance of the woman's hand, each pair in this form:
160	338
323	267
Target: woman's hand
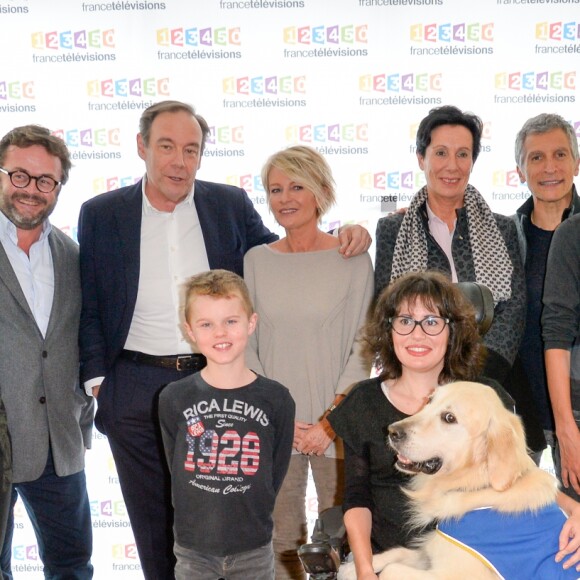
569	540
313	439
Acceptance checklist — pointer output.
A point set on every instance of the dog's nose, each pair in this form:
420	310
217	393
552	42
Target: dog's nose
396	435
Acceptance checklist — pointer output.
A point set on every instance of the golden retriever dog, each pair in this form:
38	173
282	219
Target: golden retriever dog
467	452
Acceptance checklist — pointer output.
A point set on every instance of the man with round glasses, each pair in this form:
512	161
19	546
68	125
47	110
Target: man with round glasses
21	179
49	416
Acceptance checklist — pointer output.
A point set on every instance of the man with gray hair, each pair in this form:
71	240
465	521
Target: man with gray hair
546	152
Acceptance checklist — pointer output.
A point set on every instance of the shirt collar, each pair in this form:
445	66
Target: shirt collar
8	230
148	209
433	218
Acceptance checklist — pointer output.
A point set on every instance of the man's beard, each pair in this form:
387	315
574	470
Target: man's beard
22	221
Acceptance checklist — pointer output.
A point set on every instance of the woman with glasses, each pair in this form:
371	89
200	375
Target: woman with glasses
422	334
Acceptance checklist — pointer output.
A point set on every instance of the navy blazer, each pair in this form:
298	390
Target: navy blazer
109	235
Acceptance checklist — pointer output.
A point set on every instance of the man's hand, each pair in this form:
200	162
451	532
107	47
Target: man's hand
569	442
354	240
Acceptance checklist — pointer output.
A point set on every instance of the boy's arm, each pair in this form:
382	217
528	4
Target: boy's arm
284	437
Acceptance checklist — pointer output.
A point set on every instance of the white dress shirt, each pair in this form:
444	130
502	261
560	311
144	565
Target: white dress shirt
172	250
35	272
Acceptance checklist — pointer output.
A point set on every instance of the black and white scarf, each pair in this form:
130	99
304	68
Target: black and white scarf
491	260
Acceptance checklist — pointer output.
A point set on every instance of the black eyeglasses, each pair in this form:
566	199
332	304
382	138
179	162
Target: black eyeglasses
431	325
21	179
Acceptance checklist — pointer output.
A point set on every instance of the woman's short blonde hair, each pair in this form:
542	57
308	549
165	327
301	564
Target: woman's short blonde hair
307	167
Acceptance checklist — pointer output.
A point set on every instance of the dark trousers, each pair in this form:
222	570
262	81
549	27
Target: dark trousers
59	510
128	415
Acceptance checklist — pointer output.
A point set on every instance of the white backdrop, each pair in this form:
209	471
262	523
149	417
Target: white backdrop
351	77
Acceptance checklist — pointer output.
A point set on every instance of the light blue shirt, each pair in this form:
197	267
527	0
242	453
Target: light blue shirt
35	273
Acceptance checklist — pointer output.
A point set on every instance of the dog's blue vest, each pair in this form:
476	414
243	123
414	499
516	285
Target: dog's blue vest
517	546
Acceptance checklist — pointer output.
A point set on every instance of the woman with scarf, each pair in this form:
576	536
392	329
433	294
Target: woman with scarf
450	228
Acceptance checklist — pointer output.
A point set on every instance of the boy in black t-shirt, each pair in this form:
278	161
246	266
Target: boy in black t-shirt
227	434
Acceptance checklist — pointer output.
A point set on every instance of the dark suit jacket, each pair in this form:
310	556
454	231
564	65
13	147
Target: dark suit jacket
39	376
109	235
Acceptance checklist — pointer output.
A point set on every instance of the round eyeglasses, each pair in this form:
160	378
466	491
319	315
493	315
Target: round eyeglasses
21	179
431	325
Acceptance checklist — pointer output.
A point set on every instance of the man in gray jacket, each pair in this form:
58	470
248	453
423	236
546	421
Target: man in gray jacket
49	416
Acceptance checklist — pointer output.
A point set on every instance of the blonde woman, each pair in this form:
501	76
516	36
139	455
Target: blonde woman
311	303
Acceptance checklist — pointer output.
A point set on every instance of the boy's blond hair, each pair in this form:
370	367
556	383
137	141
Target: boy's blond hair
217	284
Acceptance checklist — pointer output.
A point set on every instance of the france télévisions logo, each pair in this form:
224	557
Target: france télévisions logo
16	90
388	188
502	178
530	81
23	553
325	133
264	85
400	88
400	82
197	43
128	87
507	186
321	35
124	551
108	508
225	135
558	37
102	184
205	37
68	46
448	32
392	180
253	186
125	93
452	39
250	182
325	41
17	96
89	137
264	91
535	87
558	31
90	143
331	139
225	141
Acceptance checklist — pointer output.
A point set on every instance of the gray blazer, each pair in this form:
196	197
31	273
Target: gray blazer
39	377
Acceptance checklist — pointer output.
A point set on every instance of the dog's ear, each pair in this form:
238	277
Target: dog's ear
507	457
